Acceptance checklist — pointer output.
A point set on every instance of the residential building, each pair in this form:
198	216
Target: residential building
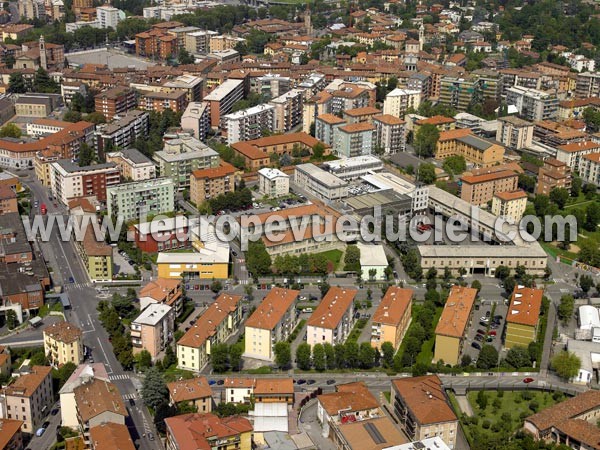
109	16
198	42
442	123
237	390
514	133
358	115
588	85
571	422
222	98
11	437
320	183
315	106
480	189
510	204
176	101
168	234
349	96
474	149
133	165
153	329
225	56
532	104
139	199
373	261
162	291
29	397
273	321
98	401
115	101
34	106
193	392
458	92
182	155
8	200
288	110
196	119
450	330
122	131
589	168
273	182
571	154
421	405
97	256
392	317
274	390
109	436
398	101
325	125
221	320
206	431
390	134
32	9
212	182
250	123
69	181
355	167
63	343
554	174
427	443
5	361
333	319
354	140
220	43
523	316
156	43
271	85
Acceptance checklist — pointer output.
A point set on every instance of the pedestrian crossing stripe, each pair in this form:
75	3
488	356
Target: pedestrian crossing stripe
129	396
122	376
77	286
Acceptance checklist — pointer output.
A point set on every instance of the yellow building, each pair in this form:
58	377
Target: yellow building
42	165
392	317
450	330
196	392
523	316
510	204
442	123
63	343
97	257
205	431
272	322
474	149
192	265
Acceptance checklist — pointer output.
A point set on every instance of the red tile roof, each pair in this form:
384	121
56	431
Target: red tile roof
332	308
272	309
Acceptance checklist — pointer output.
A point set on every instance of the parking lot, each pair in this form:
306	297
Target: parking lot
121	261
482	322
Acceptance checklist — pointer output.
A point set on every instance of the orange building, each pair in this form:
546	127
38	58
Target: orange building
392	317
480	189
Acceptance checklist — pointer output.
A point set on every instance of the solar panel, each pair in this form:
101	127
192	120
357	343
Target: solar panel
374	433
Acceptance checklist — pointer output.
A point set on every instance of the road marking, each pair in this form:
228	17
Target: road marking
105	357
121	376
129	396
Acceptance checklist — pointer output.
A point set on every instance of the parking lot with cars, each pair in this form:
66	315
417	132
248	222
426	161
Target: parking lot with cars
487	326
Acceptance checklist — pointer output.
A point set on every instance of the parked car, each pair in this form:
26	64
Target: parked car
489	339
71	280
40	431
479	338
492	333
528	380
132	402
482	323
485	319
480	331
311	382
212	382
233	252
220	382
476	345
54	411
497	317
330	382
151	436
300	381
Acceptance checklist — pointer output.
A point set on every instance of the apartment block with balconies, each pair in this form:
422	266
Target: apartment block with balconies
332	321
153	329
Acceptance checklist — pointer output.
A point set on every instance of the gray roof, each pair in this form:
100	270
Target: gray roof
135	156
71	167
476	142
517	121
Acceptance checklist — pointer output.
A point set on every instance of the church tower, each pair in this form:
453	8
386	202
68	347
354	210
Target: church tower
307	21
421	37
43	60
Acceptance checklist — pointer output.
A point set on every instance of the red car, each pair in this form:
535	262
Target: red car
492	333
528	380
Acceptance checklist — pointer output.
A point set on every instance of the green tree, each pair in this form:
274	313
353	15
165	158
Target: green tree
63	373
455	165
163	411
426	140
318	356
10	130
566	308
592	216
235	356
219	357
476	284
283	355
502	272
143	360
387	348
566	364
185	57
517	357
258	260
426	173
11	319
86	155
324	288
586	282
352	354
340	355
170	357
95	117
17	84
465	360
576	184
303	356
43	83
482	400
488	357
216	286
154	389
366	355
330	356
352	258
318	150
559	196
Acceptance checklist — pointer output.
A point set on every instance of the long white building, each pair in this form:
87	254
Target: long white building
320	183
355	167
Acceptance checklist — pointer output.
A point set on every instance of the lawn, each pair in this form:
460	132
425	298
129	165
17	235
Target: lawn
174	374
335	256
426	354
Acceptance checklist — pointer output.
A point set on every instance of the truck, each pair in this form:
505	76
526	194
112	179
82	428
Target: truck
43	209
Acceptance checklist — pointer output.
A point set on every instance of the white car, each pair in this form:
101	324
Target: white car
485	319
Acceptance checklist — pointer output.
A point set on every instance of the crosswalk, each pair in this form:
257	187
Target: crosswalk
130	396
244	281
73	286
121	376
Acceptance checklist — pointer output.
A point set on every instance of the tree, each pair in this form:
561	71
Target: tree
235	356
559	196
566	308
517	357
352	354
17	84
154	389
586	282
324	288
366	355
502	272
488	357
258	261
482	400
426	140
465	360
283	355
387	348
318	150
455	165
592	216
476	284
86	155
566	364
95	117
162	412
11	319
509	284
576	184
10	130
318	356
216	286
143	359
303	356
170	357
426	173
352	258
185	57
63	373
43	83
219	357
340	355
72	116
329	356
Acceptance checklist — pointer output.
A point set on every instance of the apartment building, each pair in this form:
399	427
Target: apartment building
192	85
194	392
273	182
533	105
514	133
390	133
122	131
250	123
458	92
399	101
63	343
270	85
588	85
320	183
273	390
98	401
220	43
29	397
238	390
5	361
210	183
208	431
11	437
221	320
454	321
156	43
288	110
133	164
97	256
139	199
163	291
554	174
153	329
392	317
69	181
181	32
115	101
442	123
589	168
333	319
480	189
572	153
474	149
349	96
181	155
510	204
523	316
315	106
273	321
222	98
8	200
109	16
354	140
325	124
196	119
358	115
176	100
108	436
421	405
198	42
